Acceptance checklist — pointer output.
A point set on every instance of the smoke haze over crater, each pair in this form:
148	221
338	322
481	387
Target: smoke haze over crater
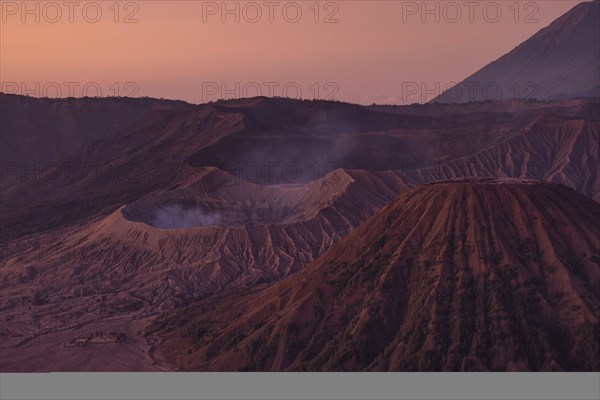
176	216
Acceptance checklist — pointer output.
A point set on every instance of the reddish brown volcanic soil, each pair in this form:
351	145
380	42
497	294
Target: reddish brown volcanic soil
122	267
231	232
493	275
159	226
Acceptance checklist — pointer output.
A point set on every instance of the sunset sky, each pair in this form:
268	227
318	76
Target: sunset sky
358	51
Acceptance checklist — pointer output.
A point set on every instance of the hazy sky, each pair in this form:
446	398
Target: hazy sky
359	51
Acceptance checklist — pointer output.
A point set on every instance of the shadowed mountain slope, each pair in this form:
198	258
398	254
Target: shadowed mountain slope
39	131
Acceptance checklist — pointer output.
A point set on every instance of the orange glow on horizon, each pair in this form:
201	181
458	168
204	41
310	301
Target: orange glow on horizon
176	48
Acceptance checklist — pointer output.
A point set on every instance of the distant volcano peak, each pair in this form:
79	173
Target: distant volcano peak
560	61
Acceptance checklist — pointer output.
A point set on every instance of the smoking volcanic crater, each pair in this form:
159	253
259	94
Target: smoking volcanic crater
218	199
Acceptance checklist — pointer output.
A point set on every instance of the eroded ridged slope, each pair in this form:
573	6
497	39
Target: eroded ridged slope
450	276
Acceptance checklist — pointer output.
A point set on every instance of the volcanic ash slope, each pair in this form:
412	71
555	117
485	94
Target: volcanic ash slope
494	275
